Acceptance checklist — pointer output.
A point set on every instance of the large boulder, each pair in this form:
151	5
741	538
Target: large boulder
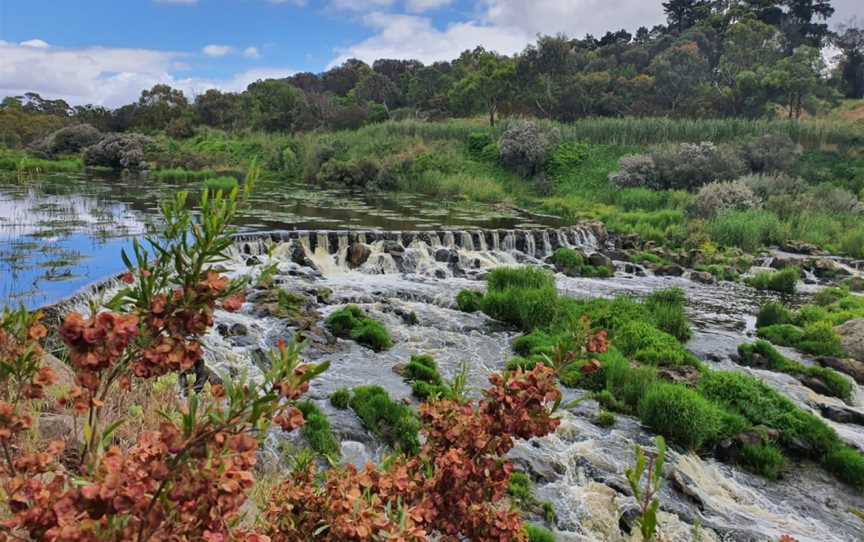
852	337
672	270
357	255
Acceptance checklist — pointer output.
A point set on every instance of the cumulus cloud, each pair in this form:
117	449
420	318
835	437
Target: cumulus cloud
39	44
410	36
106	76
217	51
505	26
251	52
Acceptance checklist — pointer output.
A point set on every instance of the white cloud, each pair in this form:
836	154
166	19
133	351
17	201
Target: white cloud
251	52
505	26
106	76
408	36
39	44
217	50
361	5
419	6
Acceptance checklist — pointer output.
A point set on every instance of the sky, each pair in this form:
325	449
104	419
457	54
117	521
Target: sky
106	51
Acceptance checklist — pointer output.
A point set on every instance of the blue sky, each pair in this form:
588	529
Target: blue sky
106	51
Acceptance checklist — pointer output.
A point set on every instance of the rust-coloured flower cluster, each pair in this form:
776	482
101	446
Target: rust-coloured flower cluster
454	488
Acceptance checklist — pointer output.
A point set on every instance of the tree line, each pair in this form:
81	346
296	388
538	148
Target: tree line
713	58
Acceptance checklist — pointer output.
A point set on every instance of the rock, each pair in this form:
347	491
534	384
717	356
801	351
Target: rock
817	385
683	374
599	260
446	255
728	449
393	248
841	414
57	427
825	268
672	270
855	284
630	242
852	338
851	367
65	374
399	368
702	277
782	262
299	256
253	261
234	330
634	269
358	254
800	247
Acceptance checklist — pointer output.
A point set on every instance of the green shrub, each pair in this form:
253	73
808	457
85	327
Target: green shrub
773	313
567	260
628	384
684	416
503	278
566	157
340	398
747	230
760	405
820	339
763	459
783	281
647	344
538	534
477	141
521	488
223	184
422	372
351	322
372	334
847	464
604	419
317	431
469	301
536	343
394	422
528	308
667	307
687	166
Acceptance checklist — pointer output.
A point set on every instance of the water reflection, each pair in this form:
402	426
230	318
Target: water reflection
61	232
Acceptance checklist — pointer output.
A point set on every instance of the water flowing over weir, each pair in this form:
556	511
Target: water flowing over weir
409	280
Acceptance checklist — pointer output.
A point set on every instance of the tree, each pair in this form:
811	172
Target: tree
678	72
682	14
375	87
341	79
749	49
487	84
159	106
849	39
218	109
800	22
797	78
274	105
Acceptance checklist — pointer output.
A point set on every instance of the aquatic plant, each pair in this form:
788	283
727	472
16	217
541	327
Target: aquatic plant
651	469
394	422
422	373
840	387
783	281
351	322
341	398
469	301
762	459
224	184
317	432
538	534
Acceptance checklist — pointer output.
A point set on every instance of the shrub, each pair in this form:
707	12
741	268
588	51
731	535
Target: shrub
847	464
839	386
628	384
667	307
690	165
783	281
118	151
773	313
572	264
647	344
358	173
317	432
718	197
763	459
519	277
180	128
526	308
223	184
760	405
422	372
604	419
477	141
685	417
340	398
521	488
566	157
352	322
635	171
525	147
394	422
67	140
774	184
469	300
772	152
538	534
747	230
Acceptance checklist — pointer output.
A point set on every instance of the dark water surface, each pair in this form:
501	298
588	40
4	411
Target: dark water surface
60	232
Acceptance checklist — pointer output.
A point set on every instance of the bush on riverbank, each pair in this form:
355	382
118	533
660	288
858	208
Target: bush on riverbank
783	281
317	432
840	387
394	422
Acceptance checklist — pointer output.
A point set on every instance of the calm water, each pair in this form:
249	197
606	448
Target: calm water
60	233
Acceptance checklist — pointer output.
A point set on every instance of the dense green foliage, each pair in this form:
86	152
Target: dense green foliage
469	300
783	281
351	322
393	421
840	386
317	431
426	382
763	459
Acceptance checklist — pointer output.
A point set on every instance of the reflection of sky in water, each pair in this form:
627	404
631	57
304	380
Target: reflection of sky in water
64	232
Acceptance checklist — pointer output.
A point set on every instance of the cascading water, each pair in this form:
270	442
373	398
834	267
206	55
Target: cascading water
409	280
